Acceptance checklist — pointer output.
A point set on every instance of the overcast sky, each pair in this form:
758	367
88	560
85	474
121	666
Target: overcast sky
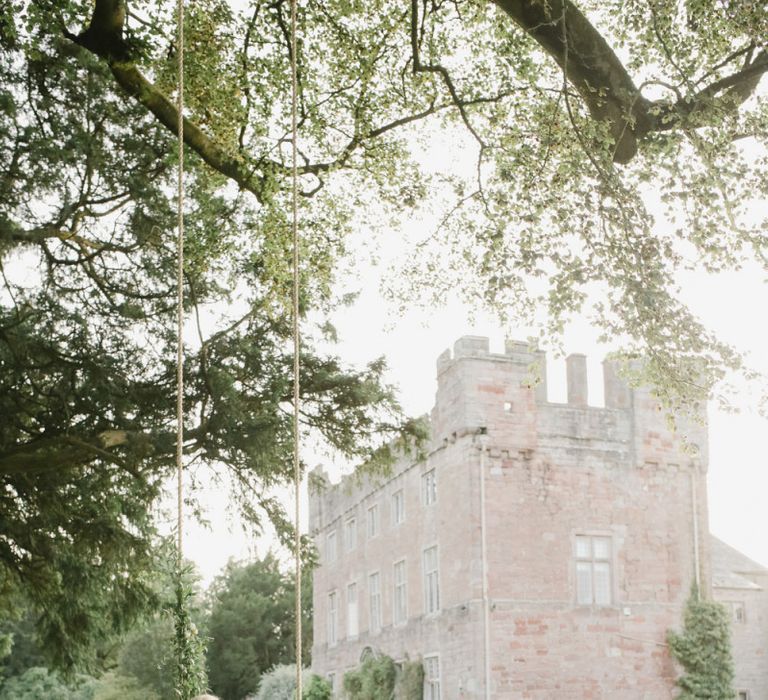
734	305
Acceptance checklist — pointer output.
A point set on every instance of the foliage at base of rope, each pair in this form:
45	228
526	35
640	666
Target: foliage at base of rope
703	649
189	645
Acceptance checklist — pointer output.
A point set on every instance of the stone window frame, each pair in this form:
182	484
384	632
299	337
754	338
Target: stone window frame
398	495
350	633
331	546
610	560
431	680
743	694
332	639
330	676
380	607
425	580
395	585
429	495
738	611
373	522
350	533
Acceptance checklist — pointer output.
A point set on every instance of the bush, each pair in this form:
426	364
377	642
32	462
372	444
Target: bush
703	649
38	682
317	689
279	683
374	680
410	681
113	686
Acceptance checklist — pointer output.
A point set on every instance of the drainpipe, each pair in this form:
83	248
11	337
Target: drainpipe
484	555
695	509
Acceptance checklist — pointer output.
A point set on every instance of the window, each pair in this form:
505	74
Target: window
331	546
431	678
374	591
400	606
398	507
373	521
429	487
352	610
331	677
350	534
738	612
593	570
742	695
333	618
431	584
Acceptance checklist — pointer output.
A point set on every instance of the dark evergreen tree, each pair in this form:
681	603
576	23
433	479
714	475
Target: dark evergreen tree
251	625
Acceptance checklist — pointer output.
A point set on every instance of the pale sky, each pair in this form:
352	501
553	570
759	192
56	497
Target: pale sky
732	304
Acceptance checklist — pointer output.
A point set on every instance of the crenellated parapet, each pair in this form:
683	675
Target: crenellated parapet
506	394
503	396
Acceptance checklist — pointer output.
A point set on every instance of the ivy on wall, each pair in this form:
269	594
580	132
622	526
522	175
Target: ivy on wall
380	678
703	649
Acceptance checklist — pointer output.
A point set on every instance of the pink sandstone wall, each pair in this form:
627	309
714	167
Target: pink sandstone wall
550	472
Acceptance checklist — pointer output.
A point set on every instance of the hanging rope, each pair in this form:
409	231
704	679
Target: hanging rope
295	320
296	346
180	294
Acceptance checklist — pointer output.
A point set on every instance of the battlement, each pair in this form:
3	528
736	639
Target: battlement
503	398
505	394
617	391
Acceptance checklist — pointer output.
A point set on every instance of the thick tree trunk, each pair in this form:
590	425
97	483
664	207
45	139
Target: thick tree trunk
589	64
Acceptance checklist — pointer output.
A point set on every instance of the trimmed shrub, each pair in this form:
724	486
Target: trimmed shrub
279	683
317	689
381	679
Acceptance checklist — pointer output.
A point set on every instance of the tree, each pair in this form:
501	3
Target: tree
578	113
703	649
24	650
146	657
86	342
251	625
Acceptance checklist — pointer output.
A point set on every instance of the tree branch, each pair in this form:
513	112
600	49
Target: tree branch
591	67
419	67
603	82
730	92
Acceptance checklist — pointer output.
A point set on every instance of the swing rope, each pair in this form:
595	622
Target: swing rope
295	319
180	295
296	346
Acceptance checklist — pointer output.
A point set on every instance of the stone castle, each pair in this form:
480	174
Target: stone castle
538	550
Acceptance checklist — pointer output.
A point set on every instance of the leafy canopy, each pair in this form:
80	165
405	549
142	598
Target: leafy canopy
587	119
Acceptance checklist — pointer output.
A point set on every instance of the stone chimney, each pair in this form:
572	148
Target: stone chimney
617	391
576	373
